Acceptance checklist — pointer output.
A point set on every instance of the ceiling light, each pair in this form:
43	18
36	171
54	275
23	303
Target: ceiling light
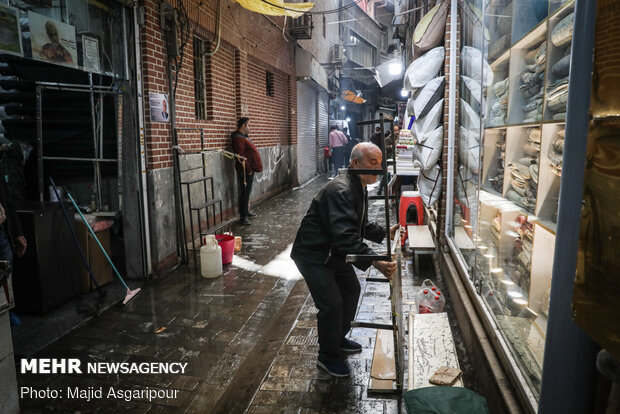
342	108
395	68
348	119
404	93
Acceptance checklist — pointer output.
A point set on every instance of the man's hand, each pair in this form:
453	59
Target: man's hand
21	246
393	231
387	268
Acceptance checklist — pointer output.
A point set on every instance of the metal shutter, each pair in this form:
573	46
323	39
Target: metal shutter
323	128
306	132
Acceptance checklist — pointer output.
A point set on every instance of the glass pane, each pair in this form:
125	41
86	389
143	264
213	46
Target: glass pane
513	90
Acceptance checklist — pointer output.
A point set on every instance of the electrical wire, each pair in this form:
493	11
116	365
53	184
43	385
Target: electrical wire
237	24
218	29
348	6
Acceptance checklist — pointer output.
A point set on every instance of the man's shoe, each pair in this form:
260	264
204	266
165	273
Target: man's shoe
251	215
335	369
245	221
350	346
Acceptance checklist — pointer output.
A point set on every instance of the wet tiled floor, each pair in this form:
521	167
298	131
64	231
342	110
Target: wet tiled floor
249	337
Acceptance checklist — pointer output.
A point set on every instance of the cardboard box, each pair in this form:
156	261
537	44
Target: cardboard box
101	268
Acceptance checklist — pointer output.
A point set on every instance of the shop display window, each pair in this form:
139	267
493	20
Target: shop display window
508	168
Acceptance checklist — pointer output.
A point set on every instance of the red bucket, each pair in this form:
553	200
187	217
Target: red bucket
227	243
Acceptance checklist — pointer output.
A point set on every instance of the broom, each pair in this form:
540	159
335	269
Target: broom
101	294
131	294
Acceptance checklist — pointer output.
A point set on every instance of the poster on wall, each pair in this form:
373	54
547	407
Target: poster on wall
158	103
52	41
90	54
10	34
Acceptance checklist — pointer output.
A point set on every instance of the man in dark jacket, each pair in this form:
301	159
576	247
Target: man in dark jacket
242	145
335	226
12	240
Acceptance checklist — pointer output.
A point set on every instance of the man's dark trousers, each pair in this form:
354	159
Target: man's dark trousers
244	190
336	291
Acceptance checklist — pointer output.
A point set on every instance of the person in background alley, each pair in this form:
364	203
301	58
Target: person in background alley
350	144
335	226
338	143
376	138
389	141
243	145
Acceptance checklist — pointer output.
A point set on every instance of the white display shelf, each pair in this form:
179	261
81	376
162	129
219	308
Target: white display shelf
489	161
543	249
548	182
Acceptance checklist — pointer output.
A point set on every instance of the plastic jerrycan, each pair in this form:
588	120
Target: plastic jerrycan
210	257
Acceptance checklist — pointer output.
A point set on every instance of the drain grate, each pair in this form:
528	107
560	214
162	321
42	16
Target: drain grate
302	340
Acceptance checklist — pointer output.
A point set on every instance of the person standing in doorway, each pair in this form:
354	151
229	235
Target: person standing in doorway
336	225
377	138
351	143
338	143
242	145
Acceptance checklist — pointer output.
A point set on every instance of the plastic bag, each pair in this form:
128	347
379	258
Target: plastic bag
425	68
429	299
471	59
428	153
427	97
429	184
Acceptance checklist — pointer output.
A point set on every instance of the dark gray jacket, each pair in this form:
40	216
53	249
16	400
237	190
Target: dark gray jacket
336	224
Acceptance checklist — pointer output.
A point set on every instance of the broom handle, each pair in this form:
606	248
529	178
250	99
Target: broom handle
75	239
97	240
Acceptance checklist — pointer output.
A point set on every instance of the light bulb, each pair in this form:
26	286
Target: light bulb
404	93
395	68
342	108
348	119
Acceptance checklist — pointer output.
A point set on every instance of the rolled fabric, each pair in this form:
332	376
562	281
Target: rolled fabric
513	196
563	33
501	87
533	134
534	172
498	47
541	54
531	149
562	67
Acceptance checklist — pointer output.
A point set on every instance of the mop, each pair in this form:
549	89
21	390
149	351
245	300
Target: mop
131	294
99	304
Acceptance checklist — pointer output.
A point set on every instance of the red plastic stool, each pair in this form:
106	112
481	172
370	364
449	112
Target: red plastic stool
411	211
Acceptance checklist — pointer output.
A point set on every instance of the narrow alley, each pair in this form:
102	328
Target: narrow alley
309	206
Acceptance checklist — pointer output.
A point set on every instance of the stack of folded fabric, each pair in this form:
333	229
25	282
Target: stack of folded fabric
532	79
497	182
523	188
557	97
496	226
556	152
523	252
557	92
500	104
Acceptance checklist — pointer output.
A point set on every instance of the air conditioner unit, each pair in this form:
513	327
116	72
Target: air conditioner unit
338	54
301	27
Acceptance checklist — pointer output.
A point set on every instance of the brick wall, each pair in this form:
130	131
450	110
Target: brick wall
235	80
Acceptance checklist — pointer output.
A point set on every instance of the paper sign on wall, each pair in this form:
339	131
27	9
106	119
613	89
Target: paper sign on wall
158	104
52	41
90	54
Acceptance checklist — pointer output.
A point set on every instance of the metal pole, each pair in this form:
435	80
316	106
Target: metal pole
145	225
40	141
95	142
569	367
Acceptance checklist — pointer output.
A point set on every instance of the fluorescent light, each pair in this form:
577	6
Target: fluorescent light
497	270
404	93
489	256
395	68
508	282
520	301
515	295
